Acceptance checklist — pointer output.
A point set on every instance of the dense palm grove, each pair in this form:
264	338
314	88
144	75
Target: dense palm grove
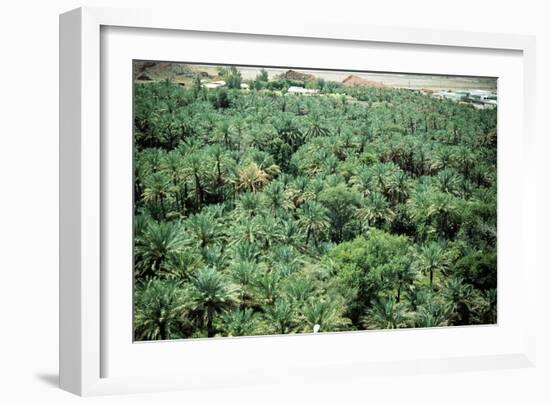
262	212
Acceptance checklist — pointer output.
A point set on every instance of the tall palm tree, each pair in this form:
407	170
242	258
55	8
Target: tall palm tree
173	167
156	189
157	314
398	187
443	207
194	168
431	258
223	132
210	294
217	154
313	219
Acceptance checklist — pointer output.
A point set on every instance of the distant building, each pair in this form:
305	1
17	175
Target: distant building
453	96
482	98
215	84
301	90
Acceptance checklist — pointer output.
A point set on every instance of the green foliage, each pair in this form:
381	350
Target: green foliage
264	212
157	310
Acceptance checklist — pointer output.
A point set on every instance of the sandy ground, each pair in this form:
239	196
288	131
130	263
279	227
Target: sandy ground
395	80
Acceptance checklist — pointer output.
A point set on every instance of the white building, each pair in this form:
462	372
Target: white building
482	96
301	90
215	84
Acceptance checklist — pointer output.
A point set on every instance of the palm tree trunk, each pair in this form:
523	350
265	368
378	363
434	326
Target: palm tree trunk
209	325
162	331
198	191
162	211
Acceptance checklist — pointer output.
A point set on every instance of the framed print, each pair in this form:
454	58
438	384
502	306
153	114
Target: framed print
243	203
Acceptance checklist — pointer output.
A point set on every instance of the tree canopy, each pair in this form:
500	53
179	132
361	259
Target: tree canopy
257	211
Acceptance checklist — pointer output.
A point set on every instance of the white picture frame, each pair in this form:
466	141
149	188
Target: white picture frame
93	348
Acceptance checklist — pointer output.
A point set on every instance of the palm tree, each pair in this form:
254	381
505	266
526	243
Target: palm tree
156	243
251	178
325	313
316	129
288	130
291	234
313	219
432	313
376	210
279	316
460	299
431	258
285	259
240	322
248	206
269	229
246	251
218	154
299	290
243	231
244	274
442	208
386	313
156	188
204	229
181	265
172	165
275	198
398	187
210	294
363	181
382	173
447	181
194	168
157	314
400	274
223	131
267	286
